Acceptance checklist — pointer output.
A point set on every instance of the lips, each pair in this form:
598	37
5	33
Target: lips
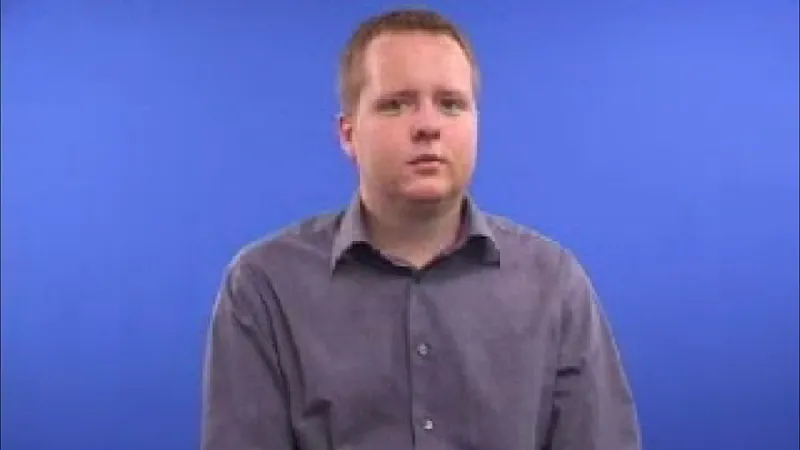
426	159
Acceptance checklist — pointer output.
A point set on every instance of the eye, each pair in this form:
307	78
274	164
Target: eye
390	106
453	106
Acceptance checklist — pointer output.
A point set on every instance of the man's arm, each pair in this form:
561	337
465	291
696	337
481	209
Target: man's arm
593	406
244	405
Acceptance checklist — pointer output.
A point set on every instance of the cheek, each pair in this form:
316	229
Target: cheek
462	139
380	141
463	144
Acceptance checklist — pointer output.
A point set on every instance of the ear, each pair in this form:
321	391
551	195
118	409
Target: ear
345	129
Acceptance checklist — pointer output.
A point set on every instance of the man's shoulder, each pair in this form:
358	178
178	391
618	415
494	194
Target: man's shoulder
310	237
535	252
523	240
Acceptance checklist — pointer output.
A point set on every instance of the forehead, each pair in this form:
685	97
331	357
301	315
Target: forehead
416	60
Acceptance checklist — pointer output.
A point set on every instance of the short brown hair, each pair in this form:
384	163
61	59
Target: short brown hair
351	68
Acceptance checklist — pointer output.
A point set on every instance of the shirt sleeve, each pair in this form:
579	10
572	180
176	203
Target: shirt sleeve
593	407
244	404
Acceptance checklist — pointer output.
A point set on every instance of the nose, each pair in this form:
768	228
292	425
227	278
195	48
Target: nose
426	125
425	133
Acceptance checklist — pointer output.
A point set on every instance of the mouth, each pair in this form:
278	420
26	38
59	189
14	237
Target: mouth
426	160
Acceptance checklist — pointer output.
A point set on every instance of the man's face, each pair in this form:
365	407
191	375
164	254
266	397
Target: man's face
413	134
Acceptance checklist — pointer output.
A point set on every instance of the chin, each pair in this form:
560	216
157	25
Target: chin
429	192
426	198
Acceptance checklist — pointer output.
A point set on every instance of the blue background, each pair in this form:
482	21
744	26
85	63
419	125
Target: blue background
144	142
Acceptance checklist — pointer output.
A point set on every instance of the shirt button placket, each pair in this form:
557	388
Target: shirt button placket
420	358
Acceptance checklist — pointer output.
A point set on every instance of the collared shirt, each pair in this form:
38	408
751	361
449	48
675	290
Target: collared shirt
319	342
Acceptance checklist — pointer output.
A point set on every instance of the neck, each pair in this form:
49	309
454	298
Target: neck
415	233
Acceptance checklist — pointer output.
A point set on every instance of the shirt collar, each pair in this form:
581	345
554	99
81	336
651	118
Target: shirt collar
351	230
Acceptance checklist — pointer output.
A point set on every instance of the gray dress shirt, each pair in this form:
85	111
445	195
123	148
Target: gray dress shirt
319	342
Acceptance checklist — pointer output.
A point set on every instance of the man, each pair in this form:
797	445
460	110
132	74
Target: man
411	319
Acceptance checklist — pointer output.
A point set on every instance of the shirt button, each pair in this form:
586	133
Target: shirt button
423	349
428	425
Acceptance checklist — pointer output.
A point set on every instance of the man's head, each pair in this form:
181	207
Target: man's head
408	86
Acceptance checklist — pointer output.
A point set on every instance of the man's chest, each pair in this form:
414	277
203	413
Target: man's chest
469	355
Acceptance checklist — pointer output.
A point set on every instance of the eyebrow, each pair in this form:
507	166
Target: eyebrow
404	93
440	92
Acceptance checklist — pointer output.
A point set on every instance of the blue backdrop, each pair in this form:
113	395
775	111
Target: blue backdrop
144	142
